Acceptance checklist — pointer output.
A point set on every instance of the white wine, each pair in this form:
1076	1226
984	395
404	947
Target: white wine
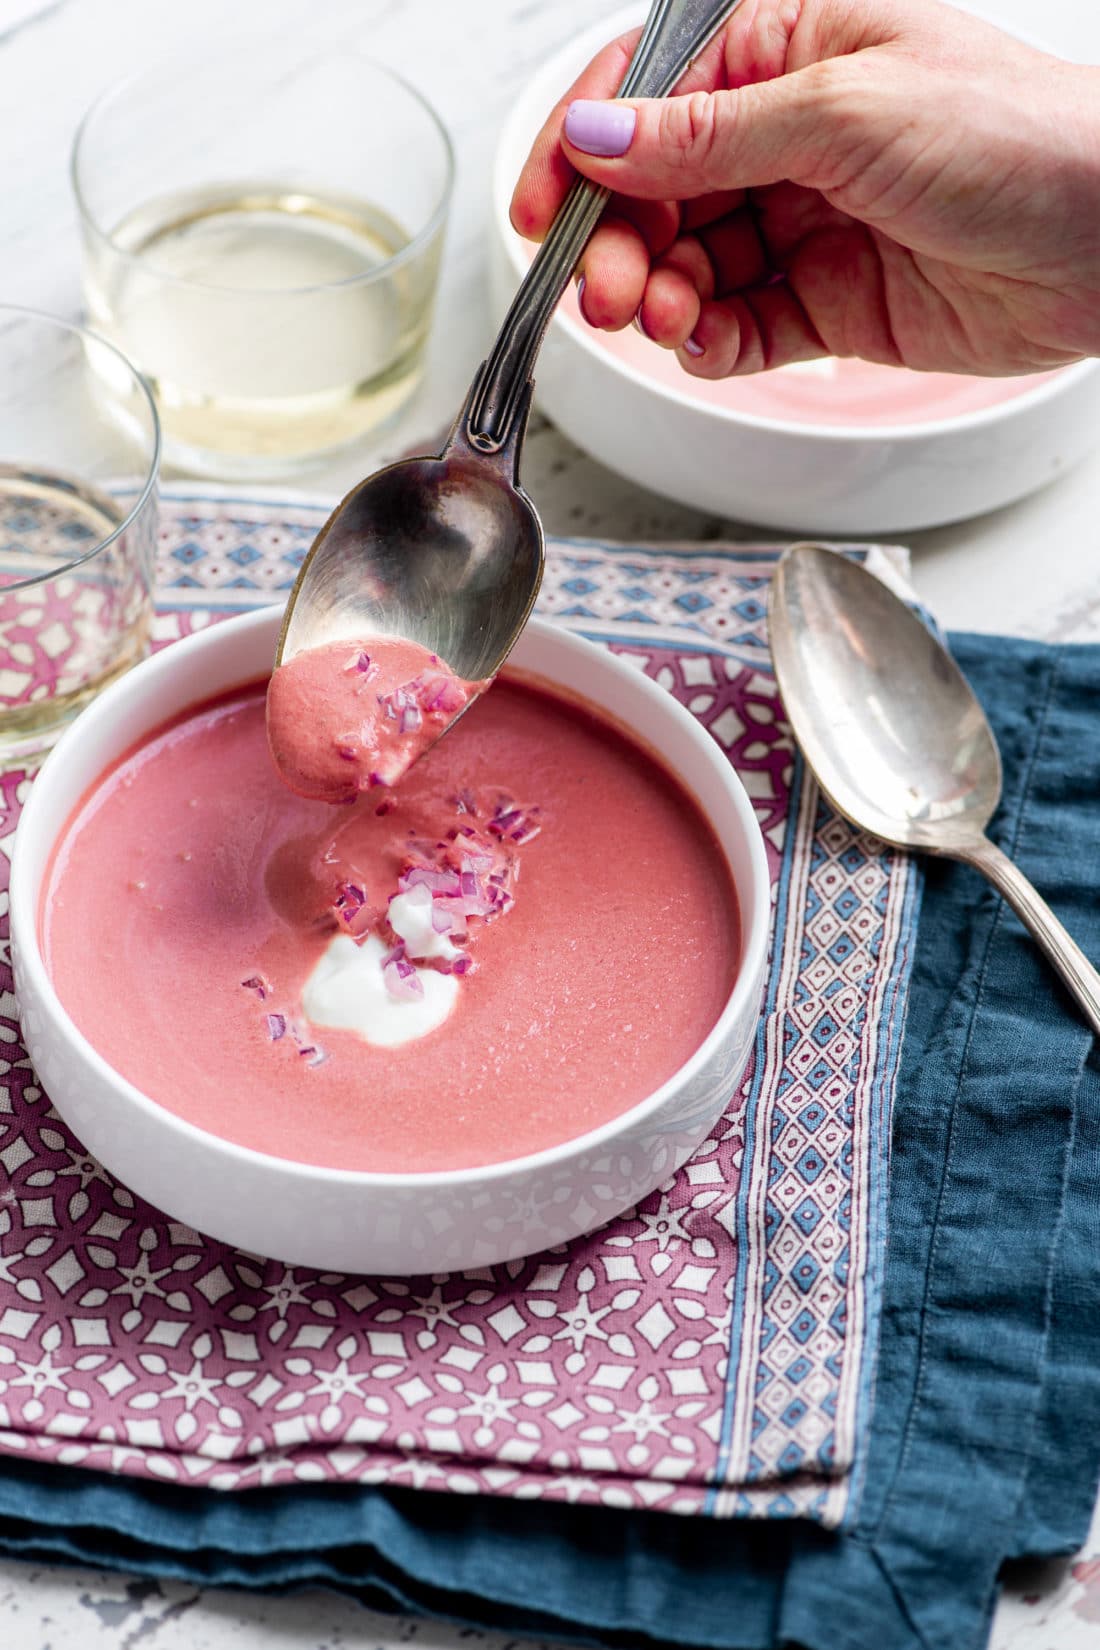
68	625
272	324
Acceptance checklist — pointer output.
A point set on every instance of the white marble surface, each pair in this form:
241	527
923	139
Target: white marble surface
1034	569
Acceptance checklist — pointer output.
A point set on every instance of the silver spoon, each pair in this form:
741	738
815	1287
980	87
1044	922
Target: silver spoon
448	551
892	731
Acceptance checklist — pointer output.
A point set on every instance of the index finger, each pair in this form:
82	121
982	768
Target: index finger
547	176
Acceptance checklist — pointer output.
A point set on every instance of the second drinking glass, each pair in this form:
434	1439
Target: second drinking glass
262	232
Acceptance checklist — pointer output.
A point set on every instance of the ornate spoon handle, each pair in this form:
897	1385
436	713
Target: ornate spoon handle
1079	976
674	33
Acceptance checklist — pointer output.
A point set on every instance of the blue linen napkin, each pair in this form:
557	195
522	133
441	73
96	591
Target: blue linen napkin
985	1437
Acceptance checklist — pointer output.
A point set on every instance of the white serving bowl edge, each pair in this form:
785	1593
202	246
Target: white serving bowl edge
353	1220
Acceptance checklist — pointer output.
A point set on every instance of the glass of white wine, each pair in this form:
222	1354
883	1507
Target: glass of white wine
262	230
79	454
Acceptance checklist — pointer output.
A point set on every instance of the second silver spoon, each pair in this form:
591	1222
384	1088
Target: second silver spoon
895	736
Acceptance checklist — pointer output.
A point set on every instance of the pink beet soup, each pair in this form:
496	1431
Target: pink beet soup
603	944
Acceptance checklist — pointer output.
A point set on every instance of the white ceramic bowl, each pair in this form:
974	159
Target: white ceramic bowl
803	477
359	1221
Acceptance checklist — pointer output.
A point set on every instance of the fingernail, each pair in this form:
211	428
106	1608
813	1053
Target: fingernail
692	348
604	129
640	324
581	284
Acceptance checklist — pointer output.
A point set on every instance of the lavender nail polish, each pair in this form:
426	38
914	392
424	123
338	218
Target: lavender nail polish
603	129
692	348
581	284
640	324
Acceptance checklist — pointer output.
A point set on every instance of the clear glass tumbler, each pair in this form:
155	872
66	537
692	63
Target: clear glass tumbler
79	455
262	230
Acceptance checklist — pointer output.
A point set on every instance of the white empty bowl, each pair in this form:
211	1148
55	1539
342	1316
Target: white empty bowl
804	477
357	1221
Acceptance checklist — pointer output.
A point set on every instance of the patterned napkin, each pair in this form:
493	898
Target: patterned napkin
711	1351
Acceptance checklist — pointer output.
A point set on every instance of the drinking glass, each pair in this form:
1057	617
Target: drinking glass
262	230
79	454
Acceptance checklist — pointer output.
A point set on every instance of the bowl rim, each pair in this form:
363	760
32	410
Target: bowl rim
24	907
505	164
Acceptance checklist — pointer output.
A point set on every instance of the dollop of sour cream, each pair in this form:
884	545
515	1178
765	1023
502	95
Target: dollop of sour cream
347	990
410	917
403	981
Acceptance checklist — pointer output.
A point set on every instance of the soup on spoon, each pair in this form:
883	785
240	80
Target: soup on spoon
348	716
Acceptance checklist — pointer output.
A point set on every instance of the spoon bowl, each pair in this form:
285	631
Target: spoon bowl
446	551
886	719
894	734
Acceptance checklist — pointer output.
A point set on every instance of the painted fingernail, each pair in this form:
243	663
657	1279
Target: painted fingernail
581	284
603	129
640	324
692	348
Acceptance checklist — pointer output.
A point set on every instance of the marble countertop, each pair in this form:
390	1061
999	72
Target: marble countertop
1033	569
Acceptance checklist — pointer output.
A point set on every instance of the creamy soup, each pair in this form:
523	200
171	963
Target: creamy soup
350	716
529	934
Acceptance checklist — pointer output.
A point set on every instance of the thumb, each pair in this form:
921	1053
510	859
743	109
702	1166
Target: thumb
678	148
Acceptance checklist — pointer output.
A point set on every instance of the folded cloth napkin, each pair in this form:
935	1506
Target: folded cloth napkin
706	1354
983	1440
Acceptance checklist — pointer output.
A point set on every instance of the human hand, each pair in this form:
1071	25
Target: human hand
891	179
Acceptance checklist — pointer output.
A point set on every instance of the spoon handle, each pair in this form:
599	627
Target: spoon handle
675	32
1079	976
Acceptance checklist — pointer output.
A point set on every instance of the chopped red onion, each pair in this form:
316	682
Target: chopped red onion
455	910
349	901
256	984
445	883
469	873
517	824
393	704
440	693
401	978
276	1026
